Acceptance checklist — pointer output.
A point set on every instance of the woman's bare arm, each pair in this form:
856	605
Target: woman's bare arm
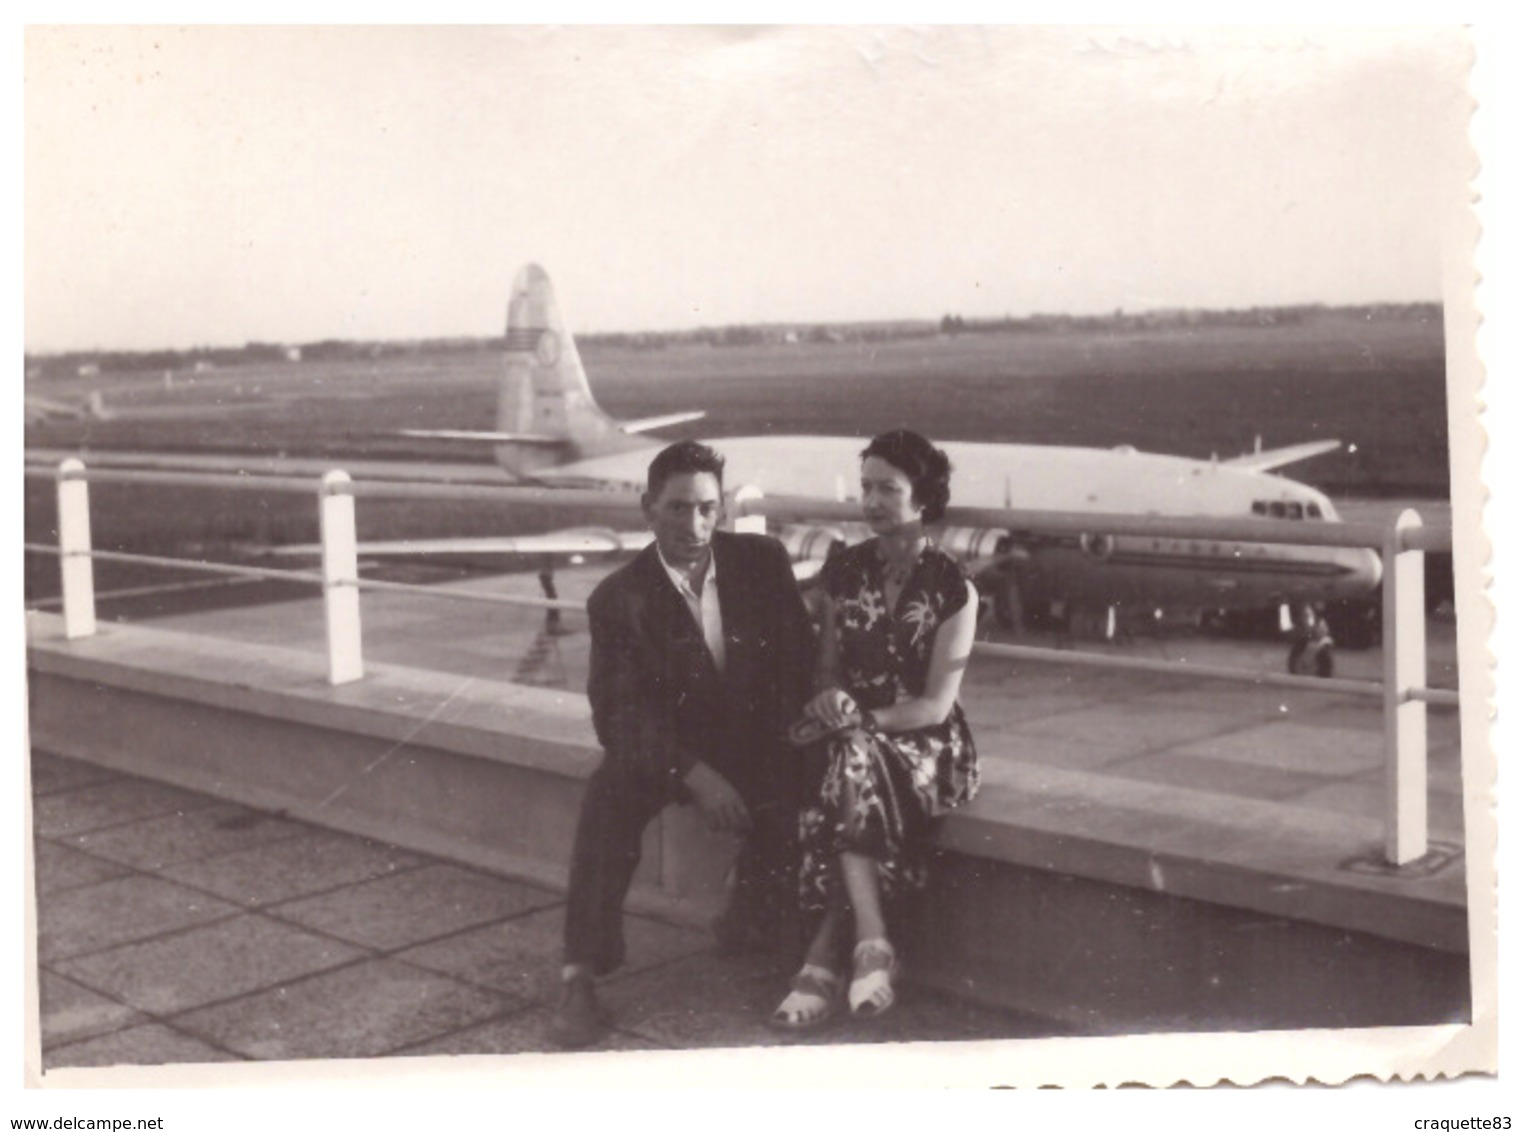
948	661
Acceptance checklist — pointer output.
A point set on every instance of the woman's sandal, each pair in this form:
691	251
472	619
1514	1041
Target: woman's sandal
873	966
812	1001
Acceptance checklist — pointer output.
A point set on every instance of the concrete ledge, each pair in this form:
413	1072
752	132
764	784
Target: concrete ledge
1095	899
1109	958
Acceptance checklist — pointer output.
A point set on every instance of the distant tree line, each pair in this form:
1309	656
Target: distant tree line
1120	320
128	362
762	334
200	358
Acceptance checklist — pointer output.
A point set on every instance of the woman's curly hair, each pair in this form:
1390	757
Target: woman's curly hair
928	468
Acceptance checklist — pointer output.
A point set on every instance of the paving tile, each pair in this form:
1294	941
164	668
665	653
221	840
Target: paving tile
105	804
1303	747
408	908
205	965
710	1003
925	1015
358	1011
1050	682
53	773
1365	796
523	1032
1244	702
1015	704
701	1002
314	861
1350	713
522	956
1126	728
57	867
1001	753
1109	686
149	1044
1219	776
69	1011
173	838
115	912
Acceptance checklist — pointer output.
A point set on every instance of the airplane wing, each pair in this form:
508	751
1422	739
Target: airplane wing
645	424
1278	457
479	437
572	541
244	465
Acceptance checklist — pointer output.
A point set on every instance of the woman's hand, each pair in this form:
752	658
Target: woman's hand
834	708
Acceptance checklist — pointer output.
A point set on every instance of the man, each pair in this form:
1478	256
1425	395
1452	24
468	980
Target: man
702	654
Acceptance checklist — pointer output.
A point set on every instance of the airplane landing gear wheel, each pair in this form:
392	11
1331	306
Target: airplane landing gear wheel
1311	652
1311	658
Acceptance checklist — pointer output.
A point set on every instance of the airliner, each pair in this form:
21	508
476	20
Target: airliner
551	432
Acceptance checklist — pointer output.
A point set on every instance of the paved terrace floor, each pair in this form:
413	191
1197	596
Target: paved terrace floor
175	928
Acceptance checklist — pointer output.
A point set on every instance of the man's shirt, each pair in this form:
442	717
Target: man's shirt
703	603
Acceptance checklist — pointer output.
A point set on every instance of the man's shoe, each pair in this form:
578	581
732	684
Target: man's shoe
578	1020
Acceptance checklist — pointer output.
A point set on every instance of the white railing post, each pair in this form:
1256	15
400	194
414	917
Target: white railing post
76	569
744	523
1405	664
340	578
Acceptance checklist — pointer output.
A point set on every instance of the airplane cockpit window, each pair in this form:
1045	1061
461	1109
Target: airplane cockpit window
1281	510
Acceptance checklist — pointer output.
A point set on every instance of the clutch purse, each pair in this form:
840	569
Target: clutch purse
807	729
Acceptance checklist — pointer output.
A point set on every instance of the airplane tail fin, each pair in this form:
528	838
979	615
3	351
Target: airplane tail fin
546	414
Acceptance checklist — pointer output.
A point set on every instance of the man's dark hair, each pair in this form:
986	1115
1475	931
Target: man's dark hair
685	457
928	468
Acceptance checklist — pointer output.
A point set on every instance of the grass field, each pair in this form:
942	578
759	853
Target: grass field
1376	384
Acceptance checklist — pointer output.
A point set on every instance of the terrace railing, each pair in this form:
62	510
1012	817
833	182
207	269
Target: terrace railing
1402	547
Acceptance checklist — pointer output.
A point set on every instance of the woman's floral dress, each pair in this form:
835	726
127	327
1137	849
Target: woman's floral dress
901	781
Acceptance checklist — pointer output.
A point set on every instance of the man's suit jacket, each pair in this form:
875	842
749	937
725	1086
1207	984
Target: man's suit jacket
659	701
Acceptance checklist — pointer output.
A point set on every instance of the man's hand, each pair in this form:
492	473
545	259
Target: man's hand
722	807
834	708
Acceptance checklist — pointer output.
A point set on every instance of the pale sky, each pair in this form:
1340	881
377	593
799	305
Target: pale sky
216	185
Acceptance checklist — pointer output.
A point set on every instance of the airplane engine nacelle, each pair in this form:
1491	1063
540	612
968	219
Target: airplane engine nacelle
1097	546
975	544
811	544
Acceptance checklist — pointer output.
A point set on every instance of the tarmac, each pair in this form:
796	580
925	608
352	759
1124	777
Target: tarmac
1321	751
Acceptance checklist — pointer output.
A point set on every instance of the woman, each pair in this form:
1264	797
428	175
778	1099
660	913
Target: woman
897	629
